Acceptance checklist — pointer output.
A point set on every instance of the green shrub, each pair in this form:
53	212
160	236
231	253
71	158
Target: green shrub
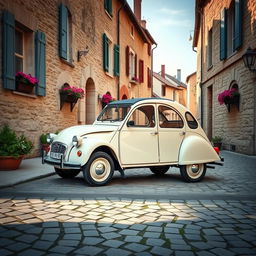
13	145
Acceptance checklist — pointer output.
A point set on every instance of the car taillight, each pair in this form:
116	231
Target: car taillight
217	150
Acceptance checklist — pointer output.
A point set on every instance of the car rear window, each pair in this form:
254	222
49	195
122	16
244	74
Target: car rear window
192	123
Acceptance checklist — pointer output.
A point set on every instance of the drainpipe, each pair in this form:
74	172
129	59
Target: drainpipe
152	69
118	42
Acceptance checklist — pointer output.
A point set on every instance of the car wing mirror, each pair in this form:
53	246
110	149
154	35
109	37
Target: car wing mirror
130	123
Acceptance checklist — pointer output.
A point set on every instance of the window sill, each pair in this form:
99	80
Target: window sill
25	94
109	15
67	63
134	82
108	74
209	68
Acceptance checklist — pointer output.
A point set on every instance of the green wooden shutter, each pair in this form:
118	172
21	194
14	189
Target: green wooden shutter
135	67
237	40
63	27
116	60
108	6
105	53
8	50
141	71
40	62
223	34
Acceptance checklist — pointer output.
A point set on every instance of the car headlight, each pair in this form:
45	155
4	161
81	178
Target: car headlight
77	141
50	137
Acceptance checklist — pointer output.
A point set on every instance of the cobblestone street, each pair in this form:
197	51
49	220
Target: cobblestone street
53	216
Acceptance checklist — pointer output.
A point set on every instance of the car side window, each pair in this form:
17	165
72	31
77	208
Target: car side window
142	117
192	123
169	118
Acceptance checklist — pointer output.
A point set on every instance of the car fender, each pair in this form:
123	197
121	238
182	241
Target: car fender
196	149
88	146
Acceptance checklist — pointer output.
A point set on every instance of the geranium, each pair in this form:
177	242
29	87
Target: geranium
226	95
106	98
26	79
72	90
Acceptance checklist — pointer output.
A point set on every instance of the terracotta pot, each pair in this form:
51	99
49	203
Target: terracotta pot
21	87
8	163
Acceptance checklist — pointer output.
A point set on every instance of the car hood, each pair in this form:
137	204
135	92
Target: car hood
67	134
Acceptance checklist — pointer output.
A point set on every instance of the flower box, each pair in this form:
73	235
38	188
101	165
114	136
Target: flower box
25	88
25	83
229	97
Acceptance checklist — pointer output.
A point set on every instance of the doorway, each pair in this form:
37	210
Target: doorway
209	116
90	99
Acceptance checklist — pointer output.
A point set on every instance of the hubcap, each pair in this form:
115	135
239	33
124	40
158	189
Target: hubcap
194	171
194	168
100	169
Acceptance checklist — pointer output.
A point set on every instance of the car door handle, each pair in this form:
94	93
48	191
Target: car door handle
182	133
154	133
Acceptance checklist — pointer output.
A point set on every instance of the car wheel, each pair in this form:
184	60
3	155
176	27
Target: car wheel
193	172
159	170
66	173
99	169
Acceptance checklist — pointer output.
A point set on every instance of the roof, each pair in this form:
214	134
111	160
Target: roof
194	73
146	36
165	81
175	80
130	102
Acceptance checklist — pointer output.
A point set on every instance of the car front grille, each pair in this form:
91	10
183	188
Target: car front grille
58	148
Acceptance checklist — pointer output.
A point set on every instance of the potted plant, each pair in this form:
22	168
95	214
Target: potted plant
12	148
217	141
106	98
25	82
229	97
70	94
44	143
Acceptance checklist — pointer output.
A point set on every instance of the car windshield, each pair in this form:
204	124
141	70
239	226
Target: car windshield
113	113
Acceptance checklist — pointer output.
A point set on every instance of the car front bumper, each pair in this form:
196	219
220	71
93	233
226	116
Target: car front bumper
60	163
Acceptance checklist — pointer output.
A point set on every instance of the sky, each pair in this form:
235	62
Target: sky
171	22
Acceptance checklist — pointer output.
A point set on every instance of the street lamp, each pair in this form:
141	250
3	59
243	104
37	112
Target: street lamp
249	59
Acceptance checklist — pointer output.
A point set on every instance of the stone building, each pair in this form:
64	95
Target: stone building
192	99
223	32
167	86
98	46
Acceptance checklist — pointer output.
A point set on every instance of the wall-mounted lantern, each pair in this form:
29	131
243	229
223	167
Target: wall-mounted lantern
249	59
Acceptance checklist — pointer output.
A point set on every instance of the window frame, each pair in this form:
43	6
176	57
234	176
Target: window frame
17	55
210	48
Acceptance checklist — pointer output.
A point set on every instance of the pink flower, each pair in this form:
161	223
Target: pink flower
72	90
226	94
26	78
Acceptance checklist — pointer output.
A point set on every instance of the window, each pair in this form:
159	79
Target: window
142	117
141	71
108	6
24	51
132	31
65	34
163	90
231	29
149	78
132	65
209	48
111	56
174	95
169	118
192	123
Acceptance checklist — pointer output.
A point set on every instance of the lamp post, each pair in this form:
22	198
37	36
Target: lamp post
249	59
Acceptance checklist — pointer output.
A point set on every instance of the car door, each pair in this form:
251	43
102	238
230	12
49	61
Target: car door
171	133
138	139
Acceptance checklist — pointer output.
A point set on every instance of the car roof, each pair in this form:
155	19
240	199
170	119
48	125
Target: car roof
130	102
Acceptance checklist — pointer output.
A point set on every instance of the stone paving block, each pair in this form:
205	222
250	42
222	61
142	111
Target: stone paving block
73	236
120	226
49	237
5	242
34	230
62	249
91	233
154	229
175	225
205	253
221	252
161	251
202	245
139	227
117	252
88	227
64	242
88	250
193	237
113	243
151	234
92	240
4	252
43	245
128	232
215	238
135	247
30	252
172	230
51	230
106	229
27	238
184	253
135	239
143	254
17	246
155	242
10	234
72	230
244	251
111	235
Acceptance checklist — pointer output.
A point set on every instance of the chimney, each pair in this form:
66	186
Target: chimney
179	74
163	71
137	8
143	23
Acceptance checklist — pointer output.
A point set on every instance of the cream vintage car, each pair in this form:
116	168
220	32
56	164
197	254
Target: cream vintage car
143	132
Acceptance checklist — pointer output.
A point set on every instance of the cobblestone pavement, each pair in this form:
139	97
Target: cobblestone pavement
139	215
109	226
